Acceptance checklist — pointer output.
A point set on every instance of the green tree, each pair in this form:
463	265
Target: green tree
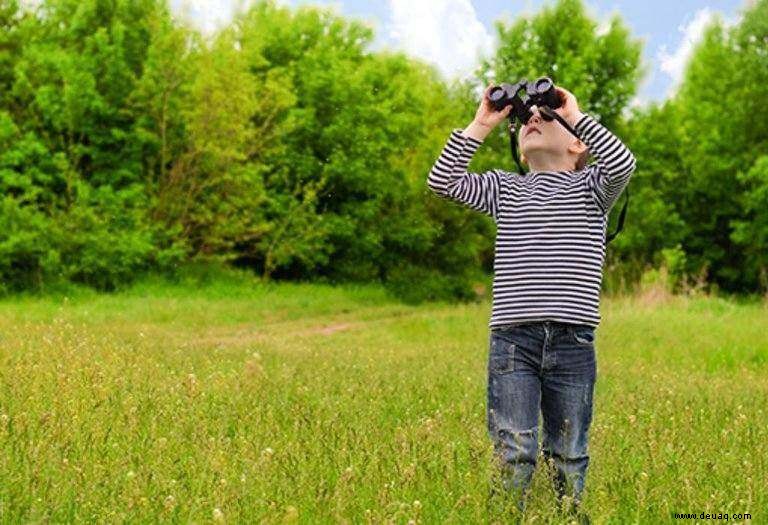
602	68
720	131
653	223
750	232
71	156
345	193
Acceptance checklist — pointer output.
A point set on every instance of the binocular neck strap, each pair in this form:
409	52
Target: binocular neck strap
622	214
513	145
546	110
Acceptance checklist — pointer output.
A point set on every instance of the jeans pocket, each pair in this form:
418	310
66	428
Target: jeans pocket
583	335
501	359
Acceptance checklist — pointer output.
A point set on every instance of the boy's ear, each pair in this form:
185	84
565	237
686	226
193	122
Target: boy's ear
577	147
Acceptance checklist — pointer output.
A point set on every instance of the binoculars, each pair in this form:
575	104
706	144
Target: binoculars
522	95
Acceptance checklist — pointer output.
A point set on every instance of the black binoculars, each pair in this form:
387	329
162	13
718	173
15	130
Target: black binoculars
522	95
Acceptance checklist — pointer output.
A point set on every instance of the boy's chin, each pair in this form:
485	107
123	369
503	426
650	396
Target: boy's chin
535	151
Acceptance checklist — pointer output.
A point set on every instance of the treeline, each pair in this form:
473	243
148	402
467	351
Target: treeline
130	143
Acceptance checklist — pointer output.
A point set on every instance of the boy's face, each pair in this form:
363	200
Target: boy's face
541	137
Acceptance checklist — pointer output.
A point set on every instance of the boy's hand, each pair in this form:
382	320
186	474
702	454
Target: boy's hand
569	109
486	118
486	114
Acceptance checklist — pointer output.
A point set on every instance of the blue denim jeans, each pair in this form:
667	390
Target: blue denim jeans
550	367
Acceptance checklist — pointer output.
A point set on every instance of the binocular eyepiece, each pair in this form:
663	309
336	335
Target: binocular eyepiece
522	95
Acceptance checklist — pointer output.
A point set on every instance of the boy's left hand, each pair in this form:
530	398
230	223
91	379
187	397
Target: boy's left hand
569	109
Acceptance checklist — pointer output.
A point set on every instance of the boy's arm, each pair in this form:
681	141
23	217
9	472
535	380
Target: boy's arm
608	177
449	178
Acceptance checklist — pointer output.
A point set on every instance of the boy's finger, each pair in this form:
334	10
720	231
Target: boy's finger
568	95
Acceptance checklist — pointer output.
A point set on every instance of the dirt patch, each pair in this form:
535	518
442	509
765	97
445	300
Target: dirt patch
260	333
330	329
250	335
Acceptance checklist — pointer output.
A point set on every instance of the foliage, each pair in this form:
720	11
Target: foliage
131	143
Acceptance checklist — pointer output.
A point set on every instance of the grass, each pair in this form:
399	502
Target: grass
304	403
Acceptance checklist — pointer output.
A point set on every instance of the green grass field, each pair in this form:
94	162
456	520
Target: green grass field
311	404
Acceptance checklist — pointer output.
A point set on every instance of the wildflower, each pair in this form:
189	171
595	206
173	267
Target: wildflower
347	474
291	513
191	384
218	516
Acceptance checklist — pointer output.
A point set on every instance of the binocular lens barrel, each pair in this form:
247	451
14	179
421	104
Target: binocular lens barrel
496	93
523	95
543	85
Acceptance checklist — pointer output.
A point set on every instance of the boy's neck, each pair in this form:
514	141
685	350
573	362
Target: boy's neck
550	163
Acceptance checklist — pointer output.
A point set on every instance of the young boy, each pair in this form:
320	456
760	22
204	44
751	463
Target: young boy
549	255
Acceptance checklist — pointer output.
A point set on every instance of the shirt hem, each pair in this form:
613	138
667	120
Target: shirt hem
499	323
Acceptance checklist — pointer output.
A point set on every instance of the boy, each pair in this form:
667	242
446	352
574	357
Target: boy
549	255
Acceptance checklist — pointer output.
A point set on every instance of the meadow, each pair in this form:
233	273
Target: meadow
240	402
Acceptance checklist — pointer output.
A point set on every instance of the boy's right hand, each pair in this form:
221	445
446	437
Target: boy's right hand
486	115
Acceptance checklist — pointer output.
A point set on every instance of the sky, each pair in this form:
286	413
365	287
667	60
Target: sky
452	34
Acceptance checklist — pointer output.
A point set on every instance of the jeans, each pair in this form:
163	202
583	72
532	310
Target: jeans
548	366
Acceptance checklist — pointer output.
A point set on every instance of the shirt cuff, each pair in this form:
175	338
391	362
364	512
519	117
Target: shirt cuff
470	143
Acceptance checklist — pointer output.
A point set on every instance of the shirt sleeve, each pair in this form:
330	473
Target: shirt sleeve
607	177
450	179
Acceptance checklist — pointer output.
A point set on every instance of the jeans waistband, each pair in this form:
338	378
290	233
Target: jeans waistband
548	323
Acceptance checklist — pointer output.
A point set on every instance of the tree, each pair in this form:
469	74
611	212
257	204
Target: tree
750	233
345	193
653	222
72	162
721	133
563	42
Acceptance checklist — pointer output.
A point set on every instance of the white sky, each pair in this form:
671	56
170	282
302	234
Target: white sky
449	33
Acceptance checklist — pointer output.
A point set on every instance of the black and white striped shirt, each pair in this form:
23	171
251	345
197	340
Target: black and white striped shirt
550	226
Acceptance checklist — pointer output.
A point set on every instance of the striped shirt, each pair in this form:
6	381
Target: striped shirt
550	226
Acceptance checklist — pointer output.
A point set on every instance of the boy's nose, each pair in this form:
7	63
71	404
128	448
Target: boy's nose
535	117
